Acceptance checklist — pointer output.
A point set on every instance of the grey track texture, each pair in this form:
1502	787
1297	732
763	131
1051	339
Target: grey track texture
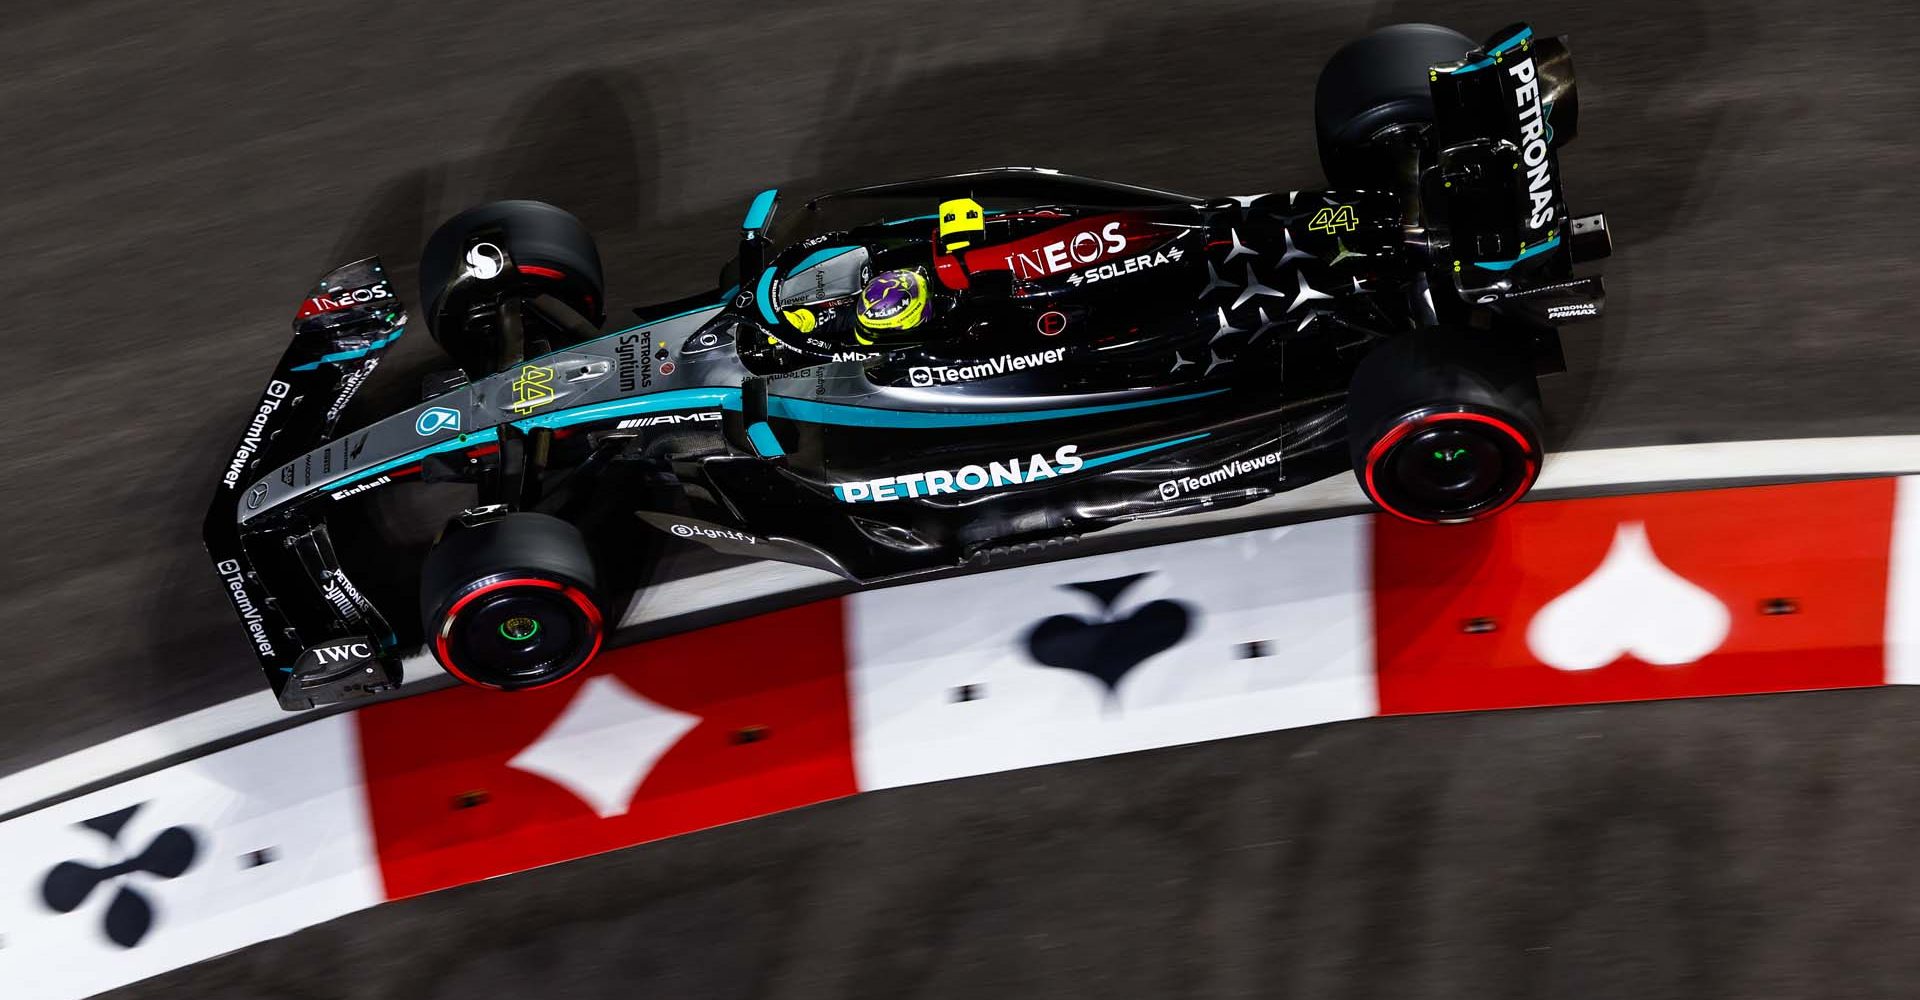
176	174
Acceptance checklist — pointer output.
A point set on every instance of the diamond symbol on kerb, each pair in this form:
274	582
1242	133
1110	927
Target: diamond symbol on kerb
604	745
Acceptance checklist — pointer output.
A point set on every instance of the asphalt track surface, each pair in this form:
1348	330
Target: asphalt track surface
176	175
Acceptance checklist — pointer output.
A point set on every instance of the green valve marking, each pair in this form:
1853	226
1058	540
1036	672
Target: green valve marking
519	628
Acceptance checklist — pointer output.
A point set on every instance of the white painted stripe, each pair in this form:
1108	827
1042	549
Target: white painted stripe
157	742
1903	586
1798	458
1788	459
259	855
1272	649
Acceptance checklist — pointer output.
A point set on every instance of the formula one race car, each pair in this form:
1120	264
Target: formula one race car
917	376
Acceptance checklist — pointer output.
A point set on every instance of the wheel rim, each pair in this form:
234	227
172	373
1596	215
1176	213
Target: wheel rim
1450	465
518	632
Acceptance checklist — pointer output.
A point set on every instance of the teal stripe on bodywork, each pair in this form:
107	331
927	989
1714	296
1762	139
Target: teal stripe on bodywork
677	399
1121	456
451	444
358	352
1525	34
818	412
763	295
1499	49
805	410
1533	251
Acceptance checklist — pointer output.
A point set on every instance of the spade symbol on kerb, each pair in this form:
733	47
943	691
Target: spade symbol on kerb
1107	646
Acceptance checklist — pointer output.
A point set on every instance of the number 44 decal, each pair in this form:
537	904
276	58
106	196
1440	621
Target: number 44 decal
1338	219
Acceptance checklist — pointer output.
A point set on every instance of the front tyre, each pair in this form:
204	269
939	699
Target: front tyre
509	604
1376	85
553	254
1443	431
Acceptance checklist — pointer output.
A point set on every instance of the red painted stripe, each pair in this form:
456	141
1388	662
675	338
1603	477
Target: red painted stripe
757	734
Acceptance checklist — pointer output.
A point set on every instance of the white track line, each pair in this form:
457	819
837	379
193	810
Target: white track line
1797	458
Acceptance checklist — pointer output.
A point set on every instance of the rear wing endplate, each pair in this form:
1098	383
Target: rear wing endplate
1501	115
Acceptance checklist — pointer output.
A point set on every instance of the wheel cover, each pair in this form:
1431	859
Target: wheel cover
518	632
1447	465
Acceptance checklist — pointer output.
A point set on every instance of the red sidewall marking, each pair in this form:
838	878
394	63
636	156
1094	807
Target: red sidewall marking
1402	430
578	597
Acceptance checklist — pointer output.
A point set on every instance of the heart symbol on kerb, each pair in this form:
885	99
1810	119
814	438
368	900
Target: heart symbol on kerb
1631	604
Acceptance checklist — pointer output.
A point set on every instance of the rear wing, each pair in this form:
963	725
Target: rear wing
342	329
1501	116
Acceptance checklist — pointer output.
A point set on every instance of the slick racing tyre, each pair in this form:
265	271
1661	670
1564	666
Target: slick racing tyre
552	252
1373	84
1442	431
509	604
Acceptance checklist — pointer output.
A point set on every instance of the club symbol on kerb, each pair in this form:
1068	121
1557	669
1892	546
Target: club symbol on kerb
129	914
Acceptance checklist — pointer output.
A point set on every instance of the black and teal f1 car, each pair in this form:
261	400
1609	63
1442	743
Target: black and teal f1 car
915	376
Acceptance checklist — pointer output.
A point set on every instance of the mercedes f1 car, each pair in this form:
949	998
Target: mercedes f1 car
916	376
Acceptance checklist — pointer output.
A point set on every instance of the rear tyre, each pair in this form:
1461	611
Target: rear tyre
510	603
1443	431
1373	85
552	251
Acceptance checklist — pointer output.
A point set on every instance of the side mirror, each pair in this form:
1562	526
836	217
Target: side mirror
760	213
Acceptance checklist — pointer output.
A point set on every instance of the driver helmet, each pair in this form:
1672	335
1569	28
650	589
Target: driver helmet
894	300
